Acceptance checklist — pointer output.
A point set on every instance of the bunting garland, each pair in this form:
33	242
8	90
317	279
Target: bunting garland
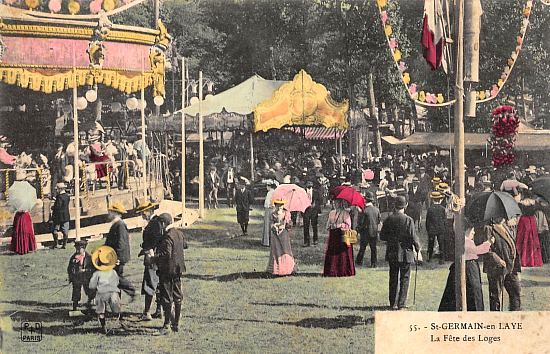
503	135
426	98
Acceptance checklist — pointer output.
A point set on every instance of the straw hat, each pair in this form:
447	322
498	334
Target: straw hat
442	186
117	207
436	195
104	258
436	180
279	201
146	206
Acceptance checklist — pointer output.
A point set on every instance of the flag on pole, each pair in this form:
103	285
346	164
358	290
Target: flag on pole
433	34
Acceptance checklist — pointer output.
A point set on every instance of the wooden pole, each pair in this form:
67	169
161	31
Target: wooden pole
374	118
252	155
143	143
76	158
340	153
183	91
460	265
201	152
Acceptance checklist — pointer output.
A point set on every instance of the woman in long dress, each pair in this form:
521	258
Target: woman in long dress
527	238
339	255
268	211
281	259
23	240
474	292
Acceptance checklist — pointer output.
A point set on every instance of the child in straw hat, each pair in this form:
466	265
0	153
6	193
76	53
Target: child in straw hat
105	282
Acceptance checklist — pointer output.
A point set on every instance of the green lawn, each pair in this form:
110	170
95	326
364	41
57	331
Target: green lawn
230	305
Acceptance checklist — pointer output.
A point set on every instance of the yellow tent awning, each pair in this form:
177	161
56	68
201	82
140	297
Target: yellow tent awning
301	102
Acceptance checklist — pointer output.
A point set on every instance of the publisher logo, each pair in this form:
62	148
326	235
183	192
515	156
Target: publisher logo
31	331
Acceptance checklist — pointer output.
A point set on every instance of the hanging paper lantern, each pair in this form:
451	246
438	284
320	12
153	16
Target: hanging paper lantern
132	103
142	104
422	96
526	11
481	95
382	3
393	43
397	55
109	5
32	4
91	95
494	90
388	30
500	83
412	89
81	103
406	78
54	6
384	17
440	98
95	6
402	66
74	7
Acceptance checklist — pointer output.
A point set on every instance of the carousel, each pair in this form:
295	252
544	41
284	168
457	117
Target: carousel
75	88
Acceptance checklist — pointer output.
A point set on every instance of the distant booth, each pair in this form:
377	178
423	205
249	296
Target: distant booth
56	67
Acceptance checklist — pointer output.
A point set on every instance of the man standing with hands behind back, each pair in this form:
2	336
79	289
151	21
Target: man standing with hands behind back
243	203
400	234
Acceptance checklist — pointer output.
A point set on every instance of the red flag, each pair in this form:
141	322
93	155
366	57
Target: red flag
433	38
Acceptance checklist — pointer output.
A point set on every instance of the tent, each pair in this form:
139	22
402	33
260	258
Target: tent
241	99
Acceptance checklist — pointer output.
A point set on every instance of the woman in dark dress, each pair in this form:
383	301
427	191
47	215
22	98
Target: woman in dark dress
339	255
474	292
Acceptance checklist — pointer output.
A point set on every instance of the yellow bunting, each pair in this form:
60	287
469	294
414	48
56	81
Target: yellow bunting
440	98
510	62
481	95
32	4
397	55
406	78
74	7
422	96
500	83
526	11
388	30
382	3
109	5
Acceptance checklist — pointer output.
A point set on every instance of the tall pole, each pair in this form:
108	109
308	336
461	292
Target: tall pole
76	158
143	144
201	152
374	118
460	265
183	91
340	152
251	154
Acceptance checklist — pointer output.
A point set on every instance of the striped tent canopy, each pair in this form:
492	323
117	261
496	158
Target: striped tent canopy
318	133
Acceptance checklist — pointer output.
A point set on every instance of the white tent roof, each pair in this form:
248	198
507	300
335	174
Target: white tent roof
241	99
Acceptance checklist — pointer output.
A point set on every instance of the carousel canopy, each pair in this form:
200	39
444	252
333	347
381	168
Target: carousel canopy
240	99
54	52
301	102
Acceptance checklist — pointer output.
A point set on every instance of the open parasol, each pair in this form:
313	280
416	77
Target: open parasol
296	198
487	205
350	195
21	196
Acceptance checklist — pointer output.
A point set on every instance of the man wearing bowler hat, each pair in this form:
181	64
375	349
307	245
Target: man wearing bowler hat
401	243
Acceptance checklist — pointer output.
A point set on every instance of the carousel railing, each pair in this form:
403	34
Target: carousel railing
40	174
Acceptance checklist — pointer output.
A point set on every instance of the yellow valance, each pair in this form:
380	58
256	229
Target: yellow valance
300	102
54	80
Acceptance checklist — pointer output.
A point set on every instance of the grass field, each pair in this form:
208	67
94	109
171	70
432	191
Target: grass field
230	304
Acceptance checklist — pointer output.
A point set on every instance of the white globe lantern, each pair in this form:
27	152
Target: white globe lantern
159	100
81	103
91	95
132	103
142	104
194	100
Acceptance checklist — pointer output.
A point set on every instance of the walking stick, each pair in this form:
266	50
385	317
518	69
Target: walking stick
61	288
415	276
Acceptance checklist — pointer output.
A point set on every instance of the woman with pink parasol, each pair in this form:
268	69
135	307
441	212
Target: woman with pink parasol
281	260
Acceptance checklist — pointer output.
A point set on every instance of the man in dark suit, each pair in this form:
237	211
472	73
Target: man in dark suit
118	239
60	215
367	227
171	266
400	234
243	203
435	226
59	162
311	214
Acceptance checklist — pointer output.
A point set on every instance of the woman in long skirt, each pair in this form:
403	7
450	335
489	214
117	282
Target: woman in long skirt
339	255
527	237
281	259
474	292
268	211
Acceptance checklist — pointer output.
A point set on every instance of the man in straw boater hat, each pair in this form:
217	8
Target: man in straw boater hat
118	239
152	235
402	241
171	266
105	282
435	226
80	270
60	215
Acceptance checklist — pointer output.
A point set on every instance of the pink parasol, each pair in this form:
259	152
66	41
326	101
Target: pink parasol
368	175
296	198
6	158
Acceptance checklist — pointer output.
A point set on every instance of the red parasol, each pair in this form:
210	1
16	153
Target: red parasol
350	195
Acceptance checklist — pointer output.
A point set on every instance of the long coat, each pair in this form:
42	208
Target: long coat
504	248
435	220
243	200
399	232
368	222
119	240
170	254
80	273
60	209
